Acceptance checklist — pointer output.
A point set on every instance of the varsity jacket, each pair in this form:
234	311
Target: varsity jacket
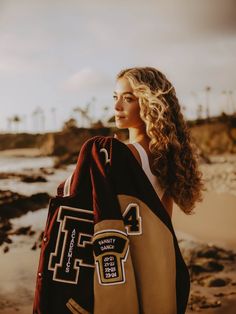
109	246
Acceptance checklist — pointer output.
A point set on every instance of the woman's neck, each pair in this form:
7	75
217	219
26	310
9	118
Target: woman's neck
138	135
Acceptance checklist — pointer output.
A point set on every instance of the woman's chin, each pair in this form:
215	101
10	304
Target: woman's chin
120	125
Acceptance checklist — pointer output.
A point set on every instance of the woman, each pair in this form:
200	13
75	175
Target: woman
109	245
146	104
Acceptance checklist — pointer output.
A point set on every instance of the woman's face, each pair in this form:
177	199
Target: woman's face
127	110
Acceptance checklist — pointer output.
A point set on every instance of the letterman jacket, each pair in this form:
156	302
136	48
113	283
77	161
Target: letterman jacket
109	246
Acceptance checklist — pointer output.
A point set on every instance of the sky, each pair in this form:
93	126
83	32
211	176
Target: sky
60	56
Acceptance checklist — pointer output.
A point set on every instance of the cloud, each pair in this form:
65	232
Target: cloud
46	45
87	80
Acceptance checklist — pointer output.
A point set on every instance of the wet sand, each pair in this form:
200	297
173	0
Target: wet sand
18	275
214	220
19	266
21	152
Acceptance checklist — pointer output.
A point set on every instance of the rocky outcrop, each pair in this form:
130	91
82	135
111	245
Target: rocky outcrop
20	140
212	272
15	205
69	141
213	136
217	137
28	178
67	144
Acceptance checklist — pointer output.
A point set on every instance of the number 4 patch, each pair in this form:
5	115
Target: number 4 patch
132	219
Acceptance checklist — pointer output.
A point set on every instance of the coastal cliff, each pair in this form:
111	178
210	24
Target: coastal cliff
214	136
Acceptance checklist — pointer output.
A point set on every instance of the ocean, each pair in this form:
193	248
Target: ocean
13	163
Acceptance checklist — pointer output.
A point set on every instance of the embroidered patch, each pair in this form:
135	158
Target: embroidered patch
73	249
107	159
132	219
110	251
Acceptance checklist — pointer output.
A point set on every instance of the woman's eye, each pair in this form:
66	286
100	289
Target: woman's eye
128	99
115	97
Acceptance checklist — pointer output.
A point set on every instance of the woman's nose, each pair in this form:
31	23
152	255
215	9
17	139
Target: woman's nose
118	104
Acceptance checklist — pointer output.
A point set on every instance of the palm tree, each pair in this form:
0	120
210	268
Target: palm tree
24	121
54	117
207	90
16	121
69	124
199	112
38	119
9	123
84	117
229	102
198	105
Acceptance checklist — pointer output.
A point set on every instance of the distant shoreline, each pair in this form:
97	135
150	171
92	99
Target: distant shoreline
21	152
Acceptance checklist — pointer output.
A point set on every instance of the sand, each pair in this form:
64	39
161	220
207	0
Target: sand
21	152
214	222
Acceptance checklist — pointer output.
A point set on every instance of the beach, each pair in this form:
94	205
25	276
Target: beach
213	224
19	259
210	229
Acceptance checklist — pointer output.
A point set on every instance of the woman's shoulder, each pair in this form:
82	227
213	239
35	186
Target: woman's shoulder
110	143
101	140
134	152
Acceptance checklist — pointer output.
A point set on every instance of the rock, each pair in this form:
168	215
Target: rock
66	159
8	240
19	140
21	231
33	178
37	243
5	225
34	247
226	255
214	282
29	175
47	171
215	253
2	237
218	282
201	265
220	294
6	249
54	143
31	233
5	175
213	266
210	304
197	302
15	205
208	252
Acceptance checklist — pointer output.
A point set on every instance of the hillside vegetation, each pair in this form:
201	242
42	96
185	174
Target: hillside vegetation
213	136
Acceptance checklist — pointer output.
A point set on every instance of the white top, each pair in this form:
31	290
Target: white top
146	168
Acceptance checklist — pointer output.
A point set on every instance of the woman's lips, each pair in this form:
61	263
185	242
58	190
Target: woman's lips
120	117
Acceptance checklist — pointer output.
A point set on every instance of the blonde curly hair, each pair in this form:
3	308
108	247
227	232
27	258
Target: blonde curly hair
175	161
